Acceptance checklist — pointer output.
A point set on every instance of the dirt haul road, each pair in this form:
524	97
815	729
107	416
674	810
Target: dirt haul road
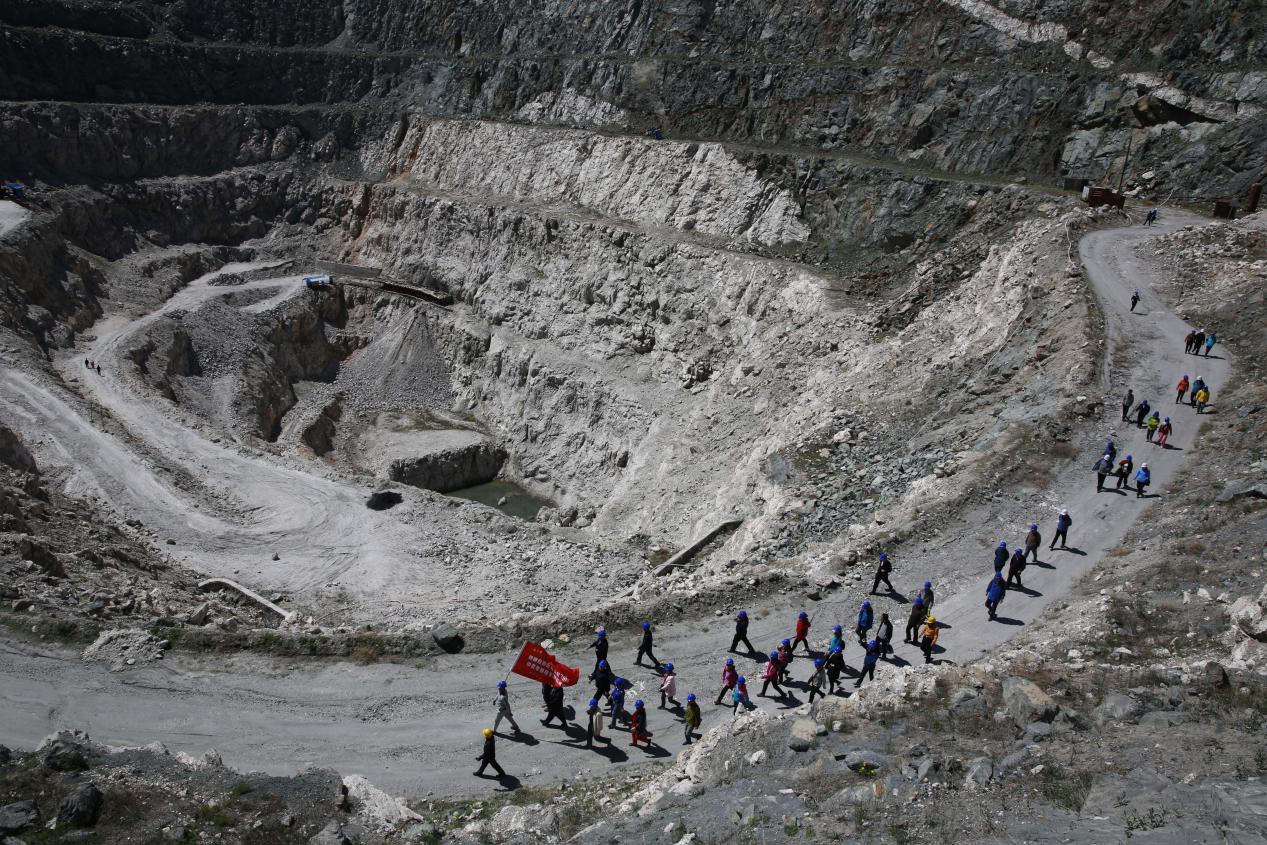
416	729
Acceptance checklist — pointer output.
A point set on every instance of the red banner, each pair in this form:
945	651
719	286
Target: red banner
538	664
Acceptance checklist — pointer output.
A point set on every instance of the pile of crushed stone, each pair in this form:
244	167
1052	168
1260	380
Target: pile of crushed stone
124	647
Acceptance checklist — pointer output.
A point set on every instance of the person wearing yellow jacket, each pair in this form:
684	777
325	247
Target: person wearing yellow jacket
928	638
1201	397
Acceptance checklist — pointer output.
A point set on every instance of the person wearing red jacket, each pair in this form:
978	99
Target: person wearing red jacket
802	631
638	724
729	677
770	676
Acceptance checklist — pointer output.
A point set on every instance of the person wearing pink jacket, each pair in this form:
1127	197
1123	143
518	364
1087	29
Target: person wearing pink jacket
729	677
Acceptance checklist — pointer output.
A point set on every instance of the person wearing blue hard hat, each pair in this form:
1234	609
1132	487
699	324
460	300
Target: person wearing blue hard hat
644	648
691	718
638	725
502	706
741	633
882	572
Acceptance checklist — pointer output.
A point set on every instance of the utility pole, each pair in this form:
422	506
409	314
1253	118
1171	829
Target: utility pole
1121	177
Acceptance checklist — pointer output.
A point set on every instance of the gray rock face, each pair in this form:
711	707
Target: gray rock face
980	772
81	808
18	816
63	755
448	638
865	759
450	469
1027	703
1236	490
804	732
14	453
1117	707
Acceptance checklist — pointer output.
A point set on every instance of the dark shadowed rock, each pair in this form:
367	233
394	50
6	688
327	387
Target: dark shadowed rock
448	638
18	816
81	808
64	755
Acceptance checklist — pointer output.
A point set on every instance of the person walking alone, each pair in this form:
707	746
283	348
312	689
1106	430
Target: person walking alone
1134	300
488	757
1127	403
995	592
741	633
644	647
882	575
1182	387
1032	541
1063	523
692	718
1142	479
502	706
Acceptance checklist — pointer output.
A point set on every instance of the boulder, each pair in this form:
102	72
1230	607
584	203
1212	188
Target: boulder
1027	703
45	558
804	732
448	638
980	772
331	834
14	453
521	820
199	615
1117	707
80	808
1214	675
64	755
6	756
18	816
1250	616
1236	490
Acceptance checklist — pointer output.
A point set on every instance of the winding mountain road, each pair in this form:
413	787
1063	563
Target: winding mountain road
415	729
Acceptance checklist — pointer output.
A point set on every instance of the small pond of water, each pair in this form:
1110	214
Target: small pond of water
519	502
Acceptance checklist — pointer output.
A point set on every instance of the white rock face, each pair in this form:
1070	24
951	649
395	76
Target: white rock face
690	187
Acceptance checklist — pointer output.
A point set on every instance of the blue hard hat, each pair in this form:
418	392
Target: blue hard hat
602	632
919	600
883	556
646	626
742	679
668	667
602	664
593	702
729	662
1033	526
872	644
501	685
838	647
1002	544
803	615
818	661
743	613
690	696
928	585
638	704
837	628
787	642
866	604
774	655
1130	458
619	681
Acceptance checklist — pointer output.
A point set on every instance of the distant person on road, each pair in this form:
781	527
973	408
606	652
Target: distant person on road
1141	413
837	638
1209	344
739	695
785	660
1189	341
1124	468
1015	567
1153	423
1110	449
502	706
741	633
926	595
835	667
729	677
914	621
995	592
1197	385
928	637
1127	403
593	723
1032	541
644	647
868	662
1198	341
600	646
817	679
1202	399
638	725
602	678
1134	300
884	634
1182	387
692	718
1163	432
1000	556
618	702
1102	468
1063	523
1151	217
770	676
802	631
488	757
882	574
1142	479
554	708
668	686
866	618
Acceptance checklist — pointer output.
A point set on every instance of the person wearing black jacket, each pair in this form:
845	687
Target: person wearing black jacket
644	647
488	757
600	646
882	574
741	632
